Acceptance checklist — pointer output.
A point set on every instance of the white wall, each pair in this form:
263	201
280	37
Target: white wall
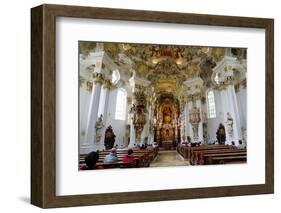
118	126
15	105
242	106
213	123
85	97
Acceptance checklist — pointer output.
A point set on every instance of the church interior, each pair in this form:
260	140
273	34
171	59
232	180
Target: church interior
149	105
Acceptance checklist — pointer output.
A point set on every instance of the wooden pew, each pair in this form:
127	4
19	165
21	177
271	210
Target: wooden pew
187	154
118	164
195	152
141	160
143	157
226	157
199	157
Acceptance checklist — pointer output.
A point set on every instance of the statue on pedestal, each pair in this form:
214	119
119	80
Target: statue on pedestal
221	134
229	123
109	138
99	126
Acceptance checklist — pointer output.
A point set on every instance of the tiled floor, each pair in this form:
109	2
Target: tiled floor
168	158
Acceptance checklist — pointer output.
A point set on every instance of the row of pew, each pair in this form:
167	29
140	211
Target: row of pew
212	154
143	158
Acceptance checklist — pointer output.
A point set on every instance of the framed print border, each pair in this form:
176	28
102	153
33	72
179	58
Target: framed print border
43	105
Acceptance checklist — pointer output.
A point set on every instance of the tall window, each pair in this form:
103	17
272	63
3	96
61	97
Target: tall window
121	99
211	104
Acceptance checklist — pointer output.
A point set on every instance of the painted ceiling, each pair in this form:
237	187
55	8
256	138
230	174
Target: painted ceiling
165	66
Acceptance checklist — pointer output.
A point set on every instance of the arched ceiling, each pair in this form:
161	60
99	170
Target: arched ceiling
165	66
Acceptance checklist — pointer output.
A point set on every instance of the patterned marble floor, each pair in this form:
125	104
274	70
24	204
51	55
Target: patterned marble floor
168	158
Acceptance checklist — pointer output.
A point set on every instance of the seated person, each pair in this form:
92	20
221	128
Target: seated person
111	157
232	146
91	160
193	144
129	158
154	144
150	147
143	146
241	145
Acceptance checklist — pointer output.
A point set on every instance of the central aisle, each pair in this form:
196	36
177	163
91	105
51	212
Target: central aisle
168	158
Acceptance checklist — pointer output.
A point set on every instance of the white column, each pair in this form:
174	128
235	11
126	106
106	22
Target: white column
185	122
132	134
85	97
103	109
233	110
229	101
89	142
200	126
188	125
182	119
150	118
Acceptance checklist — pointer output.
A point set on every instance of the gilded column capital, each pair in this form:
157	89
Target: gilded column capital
229	80
107	84
194	97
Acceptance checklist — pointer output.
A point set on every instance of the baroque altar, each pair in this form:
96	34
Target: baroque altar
166	124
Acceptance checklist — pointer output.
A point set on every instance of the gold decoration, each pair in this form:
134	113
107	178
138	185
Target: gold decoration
203	99
107	84
237	88
98	78
111	49
139	113
228	68
194	97
139	87
141	69
98	64
218	53
89	86
86	47
192	70
244	83
81	80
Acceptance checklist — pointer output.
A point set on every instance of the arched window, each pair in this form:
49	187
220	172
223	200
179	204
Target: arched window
211	104
121	101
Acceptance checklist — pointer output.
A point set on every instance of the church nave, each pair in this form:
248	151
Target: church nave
150	105
168	158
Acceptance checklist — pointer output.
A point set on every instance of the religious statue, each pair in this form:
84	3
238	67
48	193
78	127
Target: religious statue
195	131
99	126
229	123
221	134
109	138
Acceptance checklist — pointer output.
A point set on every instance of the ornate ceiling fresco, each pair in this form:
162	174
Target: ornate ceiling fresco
165	66
159	61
